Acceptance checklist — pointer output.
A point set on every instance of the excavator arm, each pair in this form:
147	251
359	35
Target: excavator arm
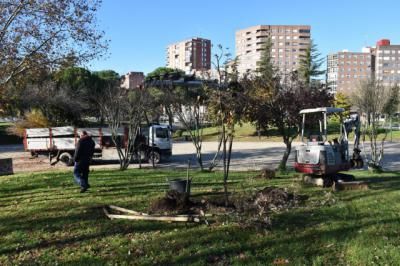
350	124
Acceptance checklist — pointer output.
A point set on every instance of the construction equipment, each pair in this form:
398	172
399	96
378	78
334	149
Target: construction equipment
323	158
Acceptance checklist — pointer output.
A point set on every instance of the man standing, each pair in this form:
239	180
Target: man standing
83	154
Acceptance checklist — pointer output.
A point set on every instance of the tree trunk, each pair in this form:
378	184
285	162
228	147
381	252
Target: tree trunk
199	157
170	116
224	159
286	154
214	160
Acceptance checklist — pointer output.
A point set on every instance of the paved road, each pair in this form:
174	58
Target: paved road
245	156
256	155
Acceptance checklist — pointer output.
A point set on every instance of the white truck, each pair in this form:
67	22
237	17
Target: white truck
153	142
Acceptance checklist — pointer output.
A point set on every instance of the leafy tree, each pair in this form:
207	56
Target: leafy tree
310	64
44	34
165	73
260	90
59	104
100	83
277	104
107	75
284	107
342	101
158	82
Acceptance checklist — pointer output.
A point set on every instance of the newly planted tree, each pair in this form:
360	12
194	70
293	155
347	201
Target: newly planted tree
227	105
373	100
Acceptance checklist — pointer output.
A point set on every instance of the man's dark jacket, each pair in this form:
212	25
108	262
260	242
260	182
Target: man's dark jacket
84	150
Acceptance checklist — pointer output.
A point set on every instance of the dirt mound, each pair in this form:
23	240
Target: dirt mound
172	203
273	198
257	209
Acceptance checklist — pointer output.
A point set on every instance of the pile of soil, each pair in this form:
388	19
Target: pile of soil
172	203
273	198
255	211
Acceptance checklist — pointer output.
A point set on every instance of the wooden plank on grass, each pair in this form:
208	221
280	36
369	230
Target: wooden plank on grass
126	210
185	218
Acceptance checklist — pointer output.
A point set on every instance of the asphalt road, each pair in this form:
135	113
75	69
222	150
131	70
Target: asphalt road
245	156
256	155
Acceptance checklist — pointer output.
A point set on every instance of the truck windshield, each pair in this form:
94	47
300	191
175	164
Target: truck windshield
162	133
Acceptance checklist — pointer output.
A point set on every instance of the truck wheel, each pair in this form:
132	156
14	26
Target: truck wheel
66	158
157	157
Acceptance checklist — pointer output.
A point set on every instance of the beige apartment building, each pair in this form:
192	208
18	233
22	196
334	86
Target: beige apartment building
289	43
192	55
387	61
346	69
133	80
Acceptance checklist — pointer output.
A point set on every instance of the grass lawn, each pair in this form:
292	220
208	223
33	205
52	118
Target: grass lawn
45	221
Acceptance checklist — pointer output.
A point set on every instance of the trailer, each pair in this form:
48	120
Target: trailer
152	143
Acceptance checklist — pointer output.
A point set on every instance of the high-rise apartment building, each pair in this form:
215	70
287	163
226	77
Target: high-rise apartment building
387	63
346	69
289	43
133	80
191	55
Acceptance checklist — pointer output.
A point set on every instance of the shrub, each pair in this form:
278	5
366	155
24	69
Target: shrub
33	119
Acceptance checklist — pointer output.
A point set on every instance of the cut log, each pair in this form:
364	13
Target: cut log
354	185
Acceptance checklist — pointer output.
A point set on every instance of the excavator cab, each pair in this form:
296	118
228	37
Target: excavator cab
320	156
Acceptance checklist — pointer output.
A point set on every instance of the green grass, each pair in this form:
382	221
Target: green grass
5	137
44	220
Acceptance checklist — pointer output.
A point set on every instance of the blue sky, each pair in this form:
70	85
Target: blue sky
139	31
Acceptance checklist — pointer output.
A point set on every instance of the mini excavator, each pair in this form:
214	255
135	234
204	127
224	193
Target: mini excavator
324	158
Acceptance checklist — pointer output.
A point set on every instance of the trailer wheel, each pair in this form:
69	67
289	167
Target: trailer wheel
66	158
156	155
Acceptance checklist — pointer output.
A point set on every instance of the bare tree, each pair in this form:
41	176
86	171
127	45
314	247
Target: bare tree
190	110
123	108
373	100
46	33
